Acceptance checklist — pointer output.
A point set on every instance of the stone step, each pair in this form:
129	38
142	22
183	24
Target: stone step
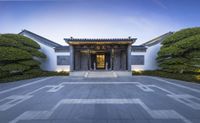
101	74
123	73
77	73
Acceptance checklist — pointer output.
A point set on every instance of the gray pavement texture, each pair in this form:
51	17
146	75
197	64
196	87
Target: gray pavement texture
136	99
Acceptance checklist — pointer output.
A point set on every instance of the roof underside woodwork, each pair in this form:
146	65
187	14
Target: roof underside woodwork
73	41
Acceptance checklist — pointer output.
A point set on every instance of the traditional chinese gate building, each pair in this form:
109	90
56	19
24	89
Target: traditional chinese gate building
100	54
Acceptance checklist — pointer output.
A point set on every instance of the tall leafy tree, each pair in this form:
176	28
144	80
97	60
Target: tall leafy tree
181	52
18	54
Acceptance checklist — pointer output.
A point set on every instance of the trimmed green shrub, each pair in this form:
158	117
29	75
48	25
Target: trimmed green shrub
194	54
181	52
38	72
3	73
14	68
9	42
34	72
182	47
35	52
17	55
186	76
29	63
38	54
22	39
13	54
182	34
172	61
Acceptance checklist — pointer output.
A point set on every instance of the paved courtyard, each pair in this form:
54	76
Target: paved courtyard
137	99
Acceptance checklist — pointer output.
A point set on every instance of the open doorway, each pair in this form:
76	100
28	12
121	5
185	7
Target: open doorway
100	61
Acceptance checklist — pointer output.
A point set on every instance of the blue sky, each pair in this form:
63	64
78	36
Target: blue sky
141	19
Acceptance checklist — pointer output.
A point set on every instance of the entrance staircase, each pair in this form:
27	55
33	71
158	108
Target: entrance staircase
100	74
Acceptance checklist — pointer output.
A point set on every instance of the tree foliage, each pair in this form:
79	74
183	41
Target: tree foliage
181	51
17	54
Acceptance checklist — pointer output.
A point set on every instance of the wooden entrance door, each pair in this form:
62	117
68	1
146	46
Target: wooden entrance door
100	61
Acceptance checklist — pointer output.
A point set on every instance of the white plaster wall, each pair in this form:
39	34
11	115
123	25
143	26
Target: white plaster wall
139	67
48	64
62	67
150	56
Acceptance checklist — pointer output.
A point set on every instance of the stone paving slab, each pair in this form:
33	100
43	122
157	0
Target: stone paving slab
110	100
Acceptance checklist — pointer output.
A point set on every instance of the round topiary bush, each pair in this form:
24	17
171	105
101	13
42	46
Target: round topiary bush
17	54
181	52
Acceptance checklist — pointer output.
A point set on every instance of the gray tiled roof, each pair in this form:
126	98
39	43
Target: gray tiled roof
62	49
157	39
99	39
40	39
139	48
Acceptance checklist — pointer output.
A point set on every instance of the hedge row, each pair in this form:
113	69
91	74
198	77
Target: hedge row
186	77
